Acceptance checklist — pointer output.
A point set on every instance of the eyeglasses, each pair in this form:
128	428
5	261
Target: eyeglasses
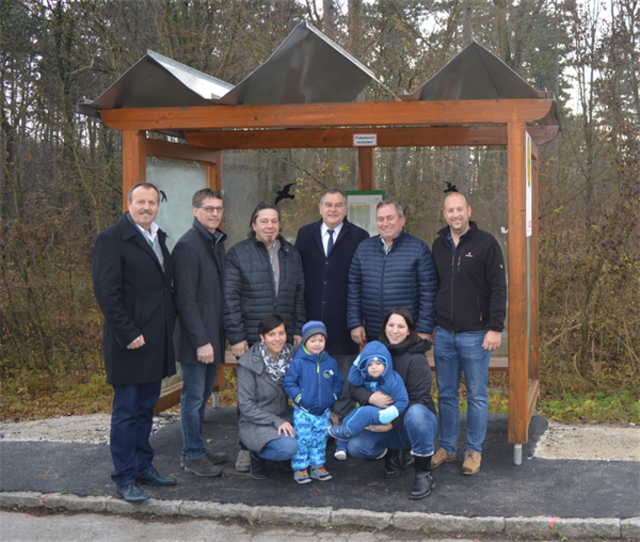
210	210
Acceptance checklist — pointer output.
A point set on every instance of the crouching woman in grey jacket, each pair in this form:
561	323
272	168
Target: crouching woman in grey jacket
265	421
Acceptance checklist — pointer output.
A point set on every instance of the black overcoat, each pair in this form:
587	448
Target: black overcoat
135	296
326	279
198	290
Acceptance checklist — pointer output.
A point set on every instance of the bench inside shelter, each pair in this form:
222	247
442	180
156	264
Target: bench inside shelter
170	396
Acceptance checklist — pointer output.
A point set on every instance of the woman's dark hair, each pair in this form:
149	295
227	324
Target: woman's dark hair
261	207
413	336
269	323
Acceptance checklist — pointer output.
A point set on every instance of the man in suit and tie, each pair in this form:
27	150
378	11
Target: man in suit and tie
326	248
132	276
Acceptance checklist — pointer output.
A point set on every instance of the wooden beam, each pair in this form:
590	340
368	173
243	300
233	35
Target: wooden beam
134	161
179	151
518	344
366	168
328	114
318	138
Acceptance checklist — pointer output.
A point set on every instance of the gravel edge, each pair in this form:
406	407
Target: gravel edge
439	523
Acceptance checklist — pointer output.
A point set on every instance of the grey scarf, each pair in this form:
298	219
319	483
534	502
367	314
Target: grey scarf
275	368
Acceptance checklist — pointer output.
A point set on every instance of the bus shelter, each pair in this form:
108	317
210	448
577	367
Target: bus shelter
304	96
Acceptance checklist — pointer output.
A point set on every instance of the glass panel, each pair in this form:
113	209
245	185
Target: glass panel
179	181
250	177
417	177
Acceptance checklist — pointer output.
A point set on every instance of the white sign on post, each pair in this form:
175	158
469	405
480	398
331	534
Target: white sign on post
529	203
365	140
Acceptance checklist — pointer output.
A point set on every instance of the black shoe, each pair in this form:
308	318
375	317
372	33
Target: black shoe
131	493
153	478
424	482
391	464
407	460
286	466
258	467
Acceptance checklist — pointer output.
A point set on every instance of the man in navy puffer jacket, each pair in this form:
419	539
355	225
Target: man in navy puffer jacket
393	269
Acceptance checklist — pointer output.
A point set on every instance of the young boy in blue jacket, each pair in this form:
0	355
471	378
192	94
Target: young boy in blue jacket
314	383
373	369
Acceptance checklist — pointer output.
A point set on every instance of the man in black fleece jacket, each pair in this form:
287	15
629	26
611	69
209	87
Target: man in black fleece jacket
470	312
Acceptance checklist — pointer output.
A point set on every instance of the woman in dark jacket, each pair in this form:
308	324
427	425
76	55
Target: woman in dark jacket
265	417
416	428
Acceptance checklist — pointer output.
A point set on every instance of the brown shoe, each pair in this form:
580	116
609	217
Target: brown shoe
441	456
471	463
202	467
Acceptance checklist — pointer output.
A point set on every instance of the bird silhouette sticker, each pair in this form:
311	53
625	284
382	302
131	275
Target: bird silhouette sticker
285	193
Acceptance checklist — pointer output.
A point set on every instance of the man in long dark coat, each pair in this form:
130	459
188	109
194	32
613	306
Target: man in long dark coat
327	248
199	273
132	276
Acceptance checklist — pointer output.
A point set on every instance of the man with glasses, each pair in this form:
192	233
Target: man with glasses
200	345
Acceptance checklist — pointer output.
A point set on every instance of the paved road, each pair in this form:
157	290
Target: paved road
21	527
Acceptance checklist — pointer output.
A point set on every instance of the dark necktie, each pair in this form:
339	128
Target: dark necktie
330	243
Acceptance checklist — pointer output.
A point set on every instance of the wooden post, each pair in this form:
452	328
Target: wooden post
134	161
366	168
518	344
534	252
213	171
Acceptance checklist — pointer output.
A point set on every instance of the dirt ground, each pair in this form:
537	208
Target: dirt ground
595	441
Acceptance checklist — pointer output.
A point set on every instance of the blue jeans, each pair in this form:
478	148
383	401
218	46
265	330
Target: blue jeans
131	421
197	383
281	449
457	353
417	434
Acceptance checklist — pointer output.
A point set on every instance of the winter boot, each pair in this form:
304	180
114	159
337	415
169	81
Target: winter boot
424	481
392	464
258	467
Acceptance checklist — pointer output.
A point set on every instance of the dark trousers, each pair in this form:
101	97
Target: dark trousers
131	422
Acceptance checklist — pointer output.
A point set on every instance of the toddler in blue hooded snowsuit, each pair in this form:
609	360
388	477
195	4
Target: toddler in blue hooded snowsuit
314	383
362	373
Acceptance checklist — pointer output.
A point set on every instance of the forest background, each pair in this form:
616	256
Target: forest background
61	173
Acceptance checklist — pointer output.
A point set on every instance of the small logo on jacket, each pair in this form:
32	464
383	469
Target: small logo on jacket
468	255
328	373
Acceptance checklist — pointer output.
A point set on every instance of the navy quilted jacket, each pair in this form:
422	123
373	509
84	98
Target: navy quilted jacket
379	282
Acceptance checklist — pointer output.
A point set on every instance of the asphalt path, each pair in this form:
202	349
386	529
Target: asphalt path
538	487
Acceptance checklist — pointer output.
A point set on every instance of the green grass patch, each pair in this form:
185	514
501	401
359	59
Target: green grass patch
40	396
565	398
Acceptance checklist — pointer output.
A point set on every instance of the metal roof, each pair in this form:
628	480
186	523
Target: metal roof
158	81
307	67
475	74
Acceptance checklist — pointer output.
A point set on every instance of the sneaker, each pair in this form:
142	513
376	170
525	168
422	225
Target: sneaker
320	473
340	455
339	432
302	477
472	460
441	456
243	463
202	467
